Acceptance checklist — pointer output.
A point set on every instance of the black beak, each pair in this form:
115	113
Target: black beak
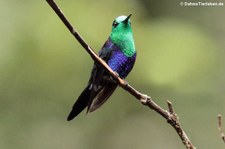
128	17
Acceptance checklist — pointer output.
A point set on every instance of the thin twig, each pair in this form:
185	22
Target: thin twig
170	116
170	107
220	127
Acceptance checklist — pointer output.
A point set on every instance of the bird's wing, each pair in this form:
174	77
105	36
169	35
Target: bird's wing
107	49
95	84
103	95
101	82
100	85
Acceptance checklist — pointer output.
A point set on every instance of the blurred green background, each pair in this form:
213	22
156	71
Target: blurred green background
43	70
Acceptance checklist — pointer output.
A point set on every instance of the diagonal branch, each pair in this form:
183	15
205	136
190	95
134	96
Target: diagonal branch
146	100
220	127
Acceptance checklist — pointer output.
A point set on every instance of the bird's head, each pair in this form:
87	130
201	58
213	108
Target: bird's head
121	24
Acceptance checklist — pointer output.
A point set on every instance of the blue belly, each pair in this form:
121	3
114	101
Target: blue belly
121	63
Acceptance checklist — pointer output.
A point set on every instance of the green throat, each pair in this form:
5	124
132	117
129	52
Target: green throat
122	35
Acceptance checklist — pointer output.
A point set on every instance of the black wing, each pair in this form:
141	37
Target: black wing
99	88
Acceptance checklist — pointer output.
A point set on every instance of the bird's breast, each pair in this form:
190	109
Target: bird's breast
121	63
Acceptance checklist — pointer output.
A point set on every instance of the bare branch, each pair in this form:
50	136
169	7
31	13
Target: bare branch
144	99
220	127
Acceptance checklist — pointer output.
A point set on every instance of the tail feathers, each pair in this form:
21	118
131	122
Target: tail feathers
80	104
102	96
87	96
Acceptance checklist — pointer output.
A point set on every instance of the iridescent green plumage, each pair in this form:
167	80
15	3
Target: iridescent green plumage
122	35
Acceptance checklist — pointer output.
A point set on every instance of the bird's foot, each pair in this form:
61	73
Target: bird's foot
117	75
124	81
112	79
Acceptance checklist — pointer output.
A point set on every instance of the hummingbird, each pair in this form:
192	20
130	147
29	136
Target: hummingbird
120	54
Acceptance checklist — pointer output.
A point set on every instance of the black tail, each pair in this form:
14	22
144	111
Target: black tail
80	104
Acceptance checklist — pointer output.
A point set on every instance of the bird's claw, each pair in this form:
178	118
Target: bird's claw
117	75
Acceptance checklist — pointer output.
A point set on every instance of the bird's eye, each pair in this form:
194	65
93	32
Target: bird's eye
115	24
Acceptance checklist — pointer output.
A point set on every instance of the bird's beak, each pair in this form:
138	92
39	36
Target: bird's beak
128	17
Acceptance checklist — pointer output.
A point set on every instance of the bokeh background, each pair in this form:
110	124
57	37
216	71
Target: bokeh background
43	70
